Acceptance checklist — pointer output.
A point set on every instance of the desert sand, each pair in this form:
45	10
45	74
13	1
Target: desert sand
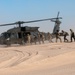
44	59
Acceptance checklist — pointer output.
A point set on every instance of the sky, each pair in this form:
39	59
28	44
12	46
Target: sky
25	10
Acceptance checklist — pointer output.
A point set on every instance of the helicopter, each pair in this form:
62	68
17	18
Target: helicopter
18	35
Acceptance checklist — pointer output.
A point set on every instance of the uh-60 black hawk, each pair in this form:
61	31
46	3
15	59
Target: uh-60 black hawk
18	35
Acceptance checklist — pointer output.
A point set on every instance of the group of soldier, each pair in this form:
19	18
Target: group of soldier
65	34
41	37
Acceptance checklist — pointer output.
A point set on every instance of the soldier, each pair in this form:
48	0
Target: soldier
49	37
65	34
43	37
39	38
35	39
58	36
72	35
8	41
28	38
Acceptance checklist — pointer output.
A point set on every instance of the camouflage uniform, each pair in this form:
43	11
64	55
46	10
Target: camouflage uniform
49	37
35	39
28	39
8	41
58	36
65	34
39	38
72	35
43	38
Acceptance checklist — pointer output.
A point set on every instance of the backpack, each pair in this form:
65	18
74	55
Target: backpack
66	33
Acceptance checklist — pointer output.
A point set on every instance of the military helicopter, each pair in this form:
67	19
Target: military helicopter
18	35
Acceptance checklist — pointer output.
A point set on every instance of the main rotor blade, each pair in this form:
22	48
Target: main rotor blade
21	22
58	14
41	20
8	24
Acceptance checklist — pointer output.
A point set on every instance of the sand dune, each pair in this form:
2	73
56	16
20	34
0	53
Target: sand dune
44	59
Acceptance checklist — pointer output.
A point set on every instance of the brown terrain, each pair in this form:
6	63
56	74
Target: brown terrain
44	59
